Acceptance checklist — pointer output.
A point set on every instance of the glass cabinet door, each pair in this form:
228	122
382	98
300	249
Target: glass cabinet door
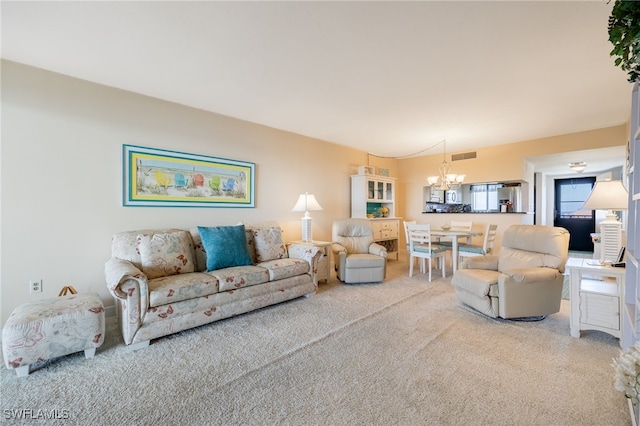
371	189
380	194
389	191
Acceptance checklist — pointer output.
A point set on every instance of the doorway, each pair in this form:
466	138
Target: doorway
570	195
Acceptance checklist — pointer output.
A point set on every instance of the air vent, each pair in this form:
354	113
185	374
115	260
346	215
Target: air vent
463	156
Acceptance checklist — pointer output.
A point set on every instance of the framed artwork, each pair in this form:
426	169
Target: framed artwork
162	178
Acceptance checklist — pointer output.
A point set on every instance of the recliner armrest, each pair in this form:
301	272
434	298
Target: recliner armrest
335	247
378	250
532	275
489	262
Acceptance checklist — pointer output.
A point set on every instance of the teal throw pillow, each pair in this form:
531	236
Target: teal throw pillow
225	246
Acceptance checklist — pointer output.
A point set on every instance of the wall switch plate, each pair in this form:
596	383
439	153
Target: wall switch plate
35	286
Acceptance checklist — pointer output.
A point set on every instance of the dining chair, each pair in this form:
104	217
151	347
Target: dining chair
406	233
468	250
421	247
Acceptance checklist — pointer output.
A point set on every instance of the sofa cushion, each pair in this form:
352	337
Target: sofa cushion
175	288
164	254
240	276
226	246
124	245
269	244
285	268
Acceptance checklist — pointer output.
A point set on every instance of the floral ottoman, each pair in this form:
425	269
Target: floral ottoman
49	328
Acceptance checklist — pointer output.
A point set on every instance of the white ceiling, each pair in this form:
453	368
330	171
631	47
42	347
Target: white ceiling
391	78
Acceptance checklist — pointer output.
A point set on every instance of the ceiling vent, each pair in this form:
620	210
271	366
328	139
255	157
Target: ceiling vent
463	156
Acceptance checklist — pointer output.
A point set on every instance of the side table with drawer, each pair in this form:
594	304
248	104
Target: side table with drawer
596	296
386	232
324	266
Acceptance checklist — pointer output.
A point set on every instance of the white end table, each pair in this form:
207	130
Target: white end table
597	294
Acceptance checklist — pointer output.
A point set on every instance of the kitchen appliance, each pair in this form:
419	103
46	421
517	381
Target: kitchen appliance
510	198
453	196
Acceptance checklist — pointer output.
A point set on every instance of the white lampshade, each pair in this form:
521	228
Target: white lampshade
305	203
607	195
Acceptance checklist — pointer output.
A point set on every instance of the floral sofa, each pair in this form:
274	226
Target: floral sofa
168	280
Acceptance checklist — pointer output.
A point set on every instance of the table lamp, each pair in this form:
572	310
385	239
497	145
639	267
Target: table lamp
305	203
609	195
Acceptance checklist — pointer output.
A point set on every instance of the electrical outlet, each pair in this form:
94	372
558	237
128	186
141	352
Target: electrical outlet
35	286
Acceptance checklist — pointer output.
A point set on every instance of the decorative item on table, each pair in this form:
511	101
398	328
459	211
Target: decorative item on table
627	373
305	203
384	211
366	170
445	227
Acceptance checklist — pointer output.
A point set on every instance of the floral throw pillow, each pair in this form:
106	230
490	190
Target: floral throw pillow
165	254
268	244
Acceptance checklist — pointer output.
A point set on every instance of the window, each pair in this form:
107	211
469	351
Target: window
571	196
485	197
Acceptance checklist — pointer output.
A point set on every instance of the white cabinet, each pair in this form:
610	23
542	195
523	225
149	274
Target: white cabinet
596	297
631	303
385	233
369	195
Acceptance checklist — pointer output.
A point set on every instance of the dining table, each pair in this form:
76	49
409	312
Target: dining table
454	235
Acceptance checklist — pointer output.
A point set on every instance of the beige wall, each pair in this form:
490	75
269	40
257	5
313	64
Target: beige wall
61	175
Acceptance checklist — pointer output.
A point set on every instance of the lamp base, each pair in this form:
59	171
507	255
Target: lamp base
307	232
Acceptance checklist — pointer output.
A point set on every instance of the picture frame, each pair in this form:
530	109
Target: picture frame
163	178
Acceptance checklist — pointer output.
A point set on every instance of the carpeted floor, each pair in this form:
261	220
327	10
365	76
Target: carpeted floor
404	352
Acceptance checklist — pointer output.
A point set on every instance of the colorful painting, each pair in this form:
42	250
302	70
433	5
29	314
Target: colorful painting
156	177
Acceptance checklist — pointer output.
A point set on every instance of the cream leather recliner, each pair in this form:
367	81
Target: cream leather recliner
524	280
357	258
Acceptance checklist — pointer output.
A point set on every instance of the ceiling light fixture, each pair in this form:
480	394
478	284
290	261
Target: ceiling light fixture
446	180
578	167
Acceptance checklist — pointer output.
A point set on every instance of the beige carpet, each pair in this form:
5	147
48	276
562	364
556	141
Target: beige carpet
400	353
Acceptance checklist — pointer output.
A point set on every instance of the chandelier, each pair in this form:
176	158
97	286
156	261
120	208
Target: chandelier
445	180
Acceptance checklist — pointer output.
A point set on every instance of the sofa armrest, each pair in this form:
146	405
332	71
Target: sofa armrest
378	250
308	252
129	285
488	262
